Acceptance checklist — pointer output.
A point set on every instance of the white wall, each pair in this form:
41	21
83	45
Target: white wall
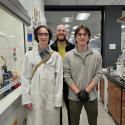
35	10
32	6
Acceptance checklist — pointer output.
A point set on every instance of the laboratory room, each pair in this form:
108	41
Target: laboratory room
33	73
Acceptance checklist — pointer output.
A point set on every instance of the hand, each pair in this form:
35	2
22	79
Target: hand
28	106
83	95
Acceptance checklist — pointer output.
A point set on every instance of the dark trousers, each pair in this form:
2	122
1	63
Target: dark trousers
91	108
66	101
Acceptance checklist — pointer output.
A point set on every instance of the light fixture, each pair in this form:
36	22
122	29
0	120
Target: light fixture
74	27
68	29
67	19
96	37
71	36
99	34
92	39
122	26
67	26
82	16
72	32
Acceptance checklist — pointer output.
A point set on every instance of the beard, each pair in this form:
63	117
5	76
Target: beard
61	39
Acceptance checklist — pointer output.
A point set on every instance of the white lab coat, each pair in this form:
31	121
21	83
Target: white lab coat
44	90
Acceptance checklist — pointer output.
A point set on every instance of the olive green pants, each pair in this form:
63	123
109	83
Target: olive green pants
91	108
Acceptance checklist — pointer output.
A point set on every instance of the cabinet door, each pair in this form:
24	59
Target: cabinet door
102	90
123	107
117	102
114	99
110	97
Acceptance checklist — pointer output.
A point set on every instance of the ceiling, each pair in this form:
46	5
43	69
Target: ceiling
53	18
84	2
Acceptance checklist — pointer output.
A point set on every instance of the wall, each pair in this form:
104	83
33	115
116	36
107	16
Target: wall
111	45
35	9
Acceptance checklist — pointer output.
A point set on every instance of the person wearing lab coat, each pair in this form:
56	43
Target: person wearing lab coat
42	81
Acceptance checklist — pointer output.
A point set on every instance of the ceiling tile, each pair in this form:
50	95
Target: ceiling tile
122	2
55	18
94	21
86	2
51	2
105	2
67	2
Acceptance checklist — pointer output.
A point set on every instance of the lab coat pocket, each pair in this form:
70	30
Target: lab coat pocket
50	103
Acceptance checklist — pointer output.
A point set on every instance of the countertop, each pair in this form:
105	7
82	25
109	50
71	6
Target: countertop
116	79
9	99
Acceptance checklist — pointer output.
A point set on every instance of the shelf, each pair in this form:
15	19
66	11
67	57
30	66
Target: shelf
9	99
9	86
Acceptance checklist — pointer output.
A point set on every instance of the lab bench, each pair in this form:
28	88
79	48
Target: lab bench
115	97
11	109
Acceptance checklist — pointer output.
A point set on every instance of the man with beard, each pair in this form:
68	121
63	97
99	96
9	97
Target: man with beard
62	46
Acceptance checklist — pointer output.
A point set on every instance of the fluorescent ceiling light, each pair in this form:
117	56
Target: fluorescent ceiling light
72	32
71	36
98	34
67	25
91	39
82	16
74	27
68	30
67	19
96	37
122	26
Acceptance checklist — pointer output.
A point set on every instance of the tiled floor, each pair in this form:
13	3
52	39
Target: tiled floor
103	119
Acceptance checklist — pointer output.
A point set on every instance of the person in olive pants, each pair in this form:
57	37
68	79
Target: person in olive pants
91	108
82	72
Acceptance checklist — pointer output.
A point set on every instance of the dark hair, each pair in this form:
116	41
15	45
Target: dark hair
84	28
36	32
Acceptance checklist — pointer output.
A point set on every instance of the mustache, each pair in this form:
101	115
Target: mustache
61	39
61	35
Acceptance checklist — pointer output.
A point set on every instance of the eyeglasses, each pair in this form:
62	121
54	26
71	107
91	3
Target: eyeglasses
82	34
43	34
61	30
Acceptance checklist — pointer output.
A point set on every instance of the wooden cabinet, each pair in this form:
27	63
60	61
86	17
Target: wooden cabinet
123	106
102	90
114	101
